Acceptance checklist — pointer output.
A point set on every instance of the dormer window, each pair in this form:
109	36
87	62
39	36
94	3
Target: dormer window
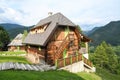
39	29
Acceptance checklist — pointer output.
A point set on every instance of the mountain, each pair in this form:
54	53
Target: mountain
109	33
14	29
9	26
90	31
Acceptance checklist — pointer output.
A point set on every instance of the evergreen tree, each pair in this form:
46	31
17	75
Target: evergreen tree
113	61
78	27
106	58
25	33
100	56
4	38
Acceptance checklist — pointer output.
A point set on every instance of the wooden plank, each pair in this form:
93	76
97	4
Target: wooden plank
12	65
29	67
34	68
24	67
3	66
40	69
18	66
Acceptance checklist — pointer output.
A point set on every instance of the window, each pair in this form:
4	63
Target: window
39	29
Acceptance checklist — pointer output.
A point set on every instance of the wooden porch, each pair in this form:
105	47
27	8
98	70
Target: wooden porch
72	59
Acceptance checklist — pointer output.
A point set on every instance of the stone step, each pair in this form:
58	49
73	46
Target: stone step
21	66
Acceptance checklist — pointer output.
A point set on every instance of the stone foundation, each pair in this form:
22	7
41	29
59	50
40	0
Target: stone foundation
78	67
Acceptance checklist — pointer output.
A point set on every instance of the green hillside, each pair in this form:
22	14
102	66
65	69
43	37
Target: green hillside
101	74
49	75
105	75
109	33
14	29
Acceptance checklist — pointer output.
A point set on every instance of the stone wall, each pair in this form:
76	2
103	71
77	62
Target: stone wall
78	67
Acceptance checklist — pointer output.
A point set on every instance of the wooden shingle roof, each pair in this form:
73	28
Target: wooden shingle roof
41	39
17	41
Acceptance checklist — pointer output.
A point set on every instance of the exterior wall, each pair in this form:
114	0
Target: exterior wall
16	48
58	38
78	67
35	55
75	67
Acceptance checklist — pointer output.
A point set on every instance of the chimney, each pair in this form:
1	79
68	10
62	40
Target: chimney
50	13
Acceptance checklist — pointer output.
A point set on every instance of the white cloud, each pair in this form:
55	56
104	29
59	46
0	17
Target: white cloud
29	12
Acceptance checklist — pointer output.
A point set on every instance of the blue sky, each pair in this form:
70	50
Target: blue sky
86	13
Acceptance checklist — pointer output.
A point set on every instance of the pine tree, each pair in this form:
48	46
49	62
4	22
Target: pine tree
100	56
4	38
25	33
106	58
79	28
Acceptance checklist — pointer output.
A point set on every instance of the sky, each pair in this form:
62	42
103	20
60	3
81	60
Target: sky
86	13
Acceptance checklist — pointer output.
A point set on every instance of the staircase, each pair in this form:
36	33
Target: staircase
61	48
57	51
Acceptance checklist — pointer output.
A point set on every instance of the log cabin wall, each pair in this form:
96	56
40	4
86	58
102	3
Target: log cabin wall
56	41
35	54
22	48
12	48
15	48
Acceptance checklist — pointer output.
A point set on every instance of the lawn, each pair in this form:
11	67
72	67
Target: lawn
56	75
34	75
12	53
89	76
19	59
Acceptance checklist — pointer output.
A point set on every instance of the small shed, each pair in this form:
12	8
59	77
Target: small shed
16	43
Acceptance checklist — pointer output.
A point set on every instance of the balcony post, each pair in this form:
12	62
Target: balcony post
71	59
86	46
56	62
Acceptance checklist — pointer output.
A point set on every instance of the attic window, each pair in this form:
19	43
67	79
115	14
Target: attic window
39	29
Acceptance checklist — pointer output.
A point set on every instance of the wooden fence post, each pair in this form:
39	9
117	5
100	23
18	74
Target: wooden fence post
56	63
71	59
64	62
82	57
77	55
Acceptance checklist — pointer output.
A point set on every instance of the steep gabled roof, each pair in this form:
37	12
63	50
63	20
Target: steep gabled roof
17	41
42	38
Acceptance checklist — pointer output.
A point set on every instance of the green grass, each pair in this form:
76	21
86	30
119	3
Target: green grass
56	75
19	59
105	75
34	75
12	52
89	76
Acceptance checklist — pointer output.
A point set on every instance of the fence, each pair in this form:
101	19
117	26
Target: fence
70	60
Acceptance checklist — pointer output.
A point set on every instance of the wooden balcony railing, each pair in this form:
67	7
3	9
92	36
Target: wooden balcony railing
86	61
70	60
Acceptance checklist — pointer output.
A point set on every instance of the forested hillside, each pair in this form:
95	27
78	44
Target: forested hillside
14	29
109	33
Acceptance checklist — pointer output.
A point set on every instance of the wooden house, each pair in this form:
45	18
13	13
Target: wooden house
16	43
55	38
